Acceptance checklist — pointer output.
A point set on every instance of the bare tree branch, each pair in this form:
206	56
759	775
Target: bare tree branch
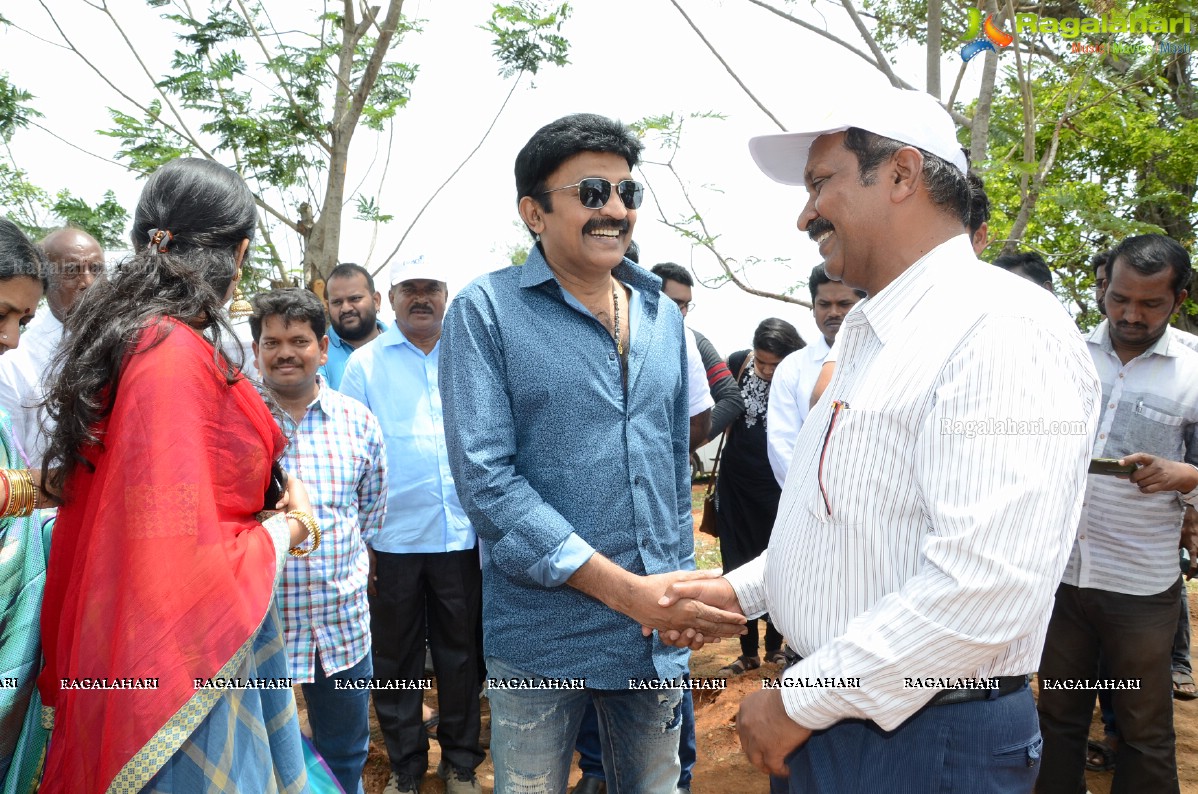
879	56
449	178
819	32
728	68
103	76
704	237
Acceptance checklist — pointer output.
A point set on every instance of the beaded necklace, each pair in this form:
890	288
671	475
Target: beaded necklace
616	329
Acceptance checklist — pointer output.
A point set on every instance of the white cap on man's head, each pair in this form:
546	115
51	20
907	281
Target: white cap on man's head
912	117
420	267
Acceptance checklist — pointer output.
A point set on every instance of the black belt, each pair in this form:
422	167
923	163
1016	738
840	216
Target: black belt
1006	685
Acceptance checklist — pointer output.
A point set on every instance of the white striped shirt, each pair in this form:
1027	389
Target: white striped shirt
950	520
1127	540
790	402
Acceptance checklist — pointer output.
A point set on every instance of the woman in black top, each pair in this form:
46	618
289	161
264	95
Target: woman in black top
746	491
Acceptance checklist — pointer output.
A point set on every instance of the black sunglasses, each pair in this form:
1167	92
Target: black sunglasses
594	192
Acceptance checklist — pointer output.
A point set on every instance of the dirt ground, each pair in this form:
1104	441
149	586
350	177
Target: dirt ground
721	767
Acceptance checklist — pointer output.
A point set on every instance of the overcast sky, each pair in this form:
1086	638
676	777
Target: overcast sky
629	59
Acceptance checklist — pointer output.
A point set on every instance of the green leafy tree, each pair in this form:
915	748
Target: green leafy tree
32	207
1078	150
291	141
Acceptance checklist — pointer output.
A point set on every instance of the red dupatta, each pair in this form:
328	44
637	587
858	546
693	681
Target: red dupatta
158	568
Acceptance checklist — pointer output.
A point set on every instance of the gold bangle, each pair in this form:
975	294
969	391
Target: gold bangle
8	490
20	493
313	532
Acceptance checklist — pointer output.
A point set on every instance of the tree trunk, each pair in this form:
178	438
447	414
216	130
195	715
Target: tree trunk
933	50
324	239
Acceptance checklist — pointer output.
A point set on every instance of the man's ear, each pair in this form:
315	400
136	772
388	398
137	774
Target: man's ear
905	170
532	214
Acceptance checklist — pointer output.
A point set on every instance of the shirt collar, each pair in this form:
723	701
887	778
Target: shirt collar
393	336
1167	345
324	390
335	338
536	272
886	311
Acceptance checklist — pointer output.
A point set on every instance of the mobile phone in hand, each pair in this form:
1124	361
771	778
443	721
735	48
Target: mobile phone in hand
1110	466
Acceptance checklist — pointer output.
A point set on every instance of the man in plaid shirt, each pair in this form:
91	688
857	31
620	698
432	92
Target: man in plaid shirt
336	449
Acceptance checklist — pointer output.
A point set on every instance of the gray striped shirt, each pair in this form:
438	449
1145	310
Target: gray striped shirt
1127	540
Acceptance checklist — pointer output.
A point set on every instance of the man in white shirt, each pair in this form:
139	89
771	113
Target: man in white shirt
790	393
1120	593
76	260
932	499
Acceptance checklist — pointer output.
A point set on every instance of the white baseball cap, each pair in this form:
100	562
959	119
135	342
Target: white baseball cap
420	267
912	117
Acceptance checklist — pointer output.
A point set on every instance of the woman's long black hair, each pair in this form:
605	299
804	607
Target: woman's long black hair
208	210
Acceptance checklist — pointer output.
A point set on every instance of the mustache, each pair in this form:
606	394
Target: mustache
818	227
601	224
427	307
289	362
1127	326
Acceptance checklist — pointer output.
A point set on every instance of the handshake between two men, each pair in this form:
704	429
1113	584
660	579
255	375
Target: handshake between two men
687	608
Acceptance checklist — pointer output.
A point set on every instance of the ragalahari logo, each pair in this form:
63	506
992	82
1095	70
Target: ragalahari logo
979	37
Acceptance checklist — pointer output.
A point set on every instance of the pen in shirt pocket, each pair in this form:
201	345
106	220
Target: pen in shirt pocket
837	407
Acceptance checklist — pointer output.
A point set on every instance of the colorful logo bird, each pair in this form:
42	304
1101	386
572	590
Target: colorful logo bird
979	37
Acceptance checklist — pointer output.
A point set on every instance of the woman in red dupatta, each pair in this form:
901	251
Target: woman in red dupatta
160	581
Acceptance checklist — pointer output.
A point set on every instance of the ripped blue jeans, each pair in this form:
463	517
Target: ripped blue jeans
533	733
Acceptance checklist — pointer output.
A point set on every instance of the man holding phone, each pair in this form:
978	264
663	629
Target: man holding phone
1121	589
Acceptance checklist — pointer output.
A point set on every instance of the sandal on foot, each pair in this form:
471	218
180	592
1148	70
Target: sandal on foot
1100	756
1183	679
742	665
776	657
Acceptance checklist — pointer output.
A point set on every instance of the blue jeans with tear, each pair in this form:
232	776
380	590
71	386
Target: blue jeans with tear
533	733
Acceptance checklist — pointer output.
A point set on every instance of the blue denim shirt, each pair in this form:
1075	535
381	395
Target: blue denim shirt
339	353
549	454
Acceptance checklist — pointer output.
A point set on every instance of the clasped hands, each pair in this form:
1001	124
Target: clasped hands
687	608
767	734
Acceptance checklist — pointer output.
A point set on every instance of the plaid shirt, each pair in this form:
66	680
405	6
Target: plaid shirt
337	452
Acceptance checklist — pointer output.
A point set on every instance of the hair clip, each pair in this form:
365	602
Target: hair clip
160	240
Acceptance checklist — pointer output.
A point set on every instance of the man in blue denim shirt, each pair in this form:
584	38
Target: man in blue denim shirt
565	405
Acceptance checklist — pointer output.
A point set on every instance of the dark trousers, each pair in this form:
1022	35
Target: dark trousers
446	587
1181	663
1134	635
978	747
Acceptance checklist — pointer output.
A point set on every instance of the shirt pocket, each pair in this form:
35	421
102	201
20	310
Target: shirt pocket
1155	432
861	455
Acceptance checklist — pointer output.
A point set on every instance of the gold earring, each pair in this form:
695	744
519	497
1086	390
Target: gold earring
240	307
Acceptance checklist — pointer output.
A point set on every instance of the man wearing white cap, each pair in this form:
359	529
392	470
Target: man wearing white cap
426	555
934	492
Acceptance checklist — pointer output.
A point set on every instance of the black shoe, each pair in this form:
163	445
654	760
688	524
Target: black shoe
590	785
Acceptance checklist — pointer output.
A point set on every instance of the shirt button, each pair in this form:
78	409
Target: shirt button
1081	537
1121	374
1112	405
637	480
611	356
1102	435
644	543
